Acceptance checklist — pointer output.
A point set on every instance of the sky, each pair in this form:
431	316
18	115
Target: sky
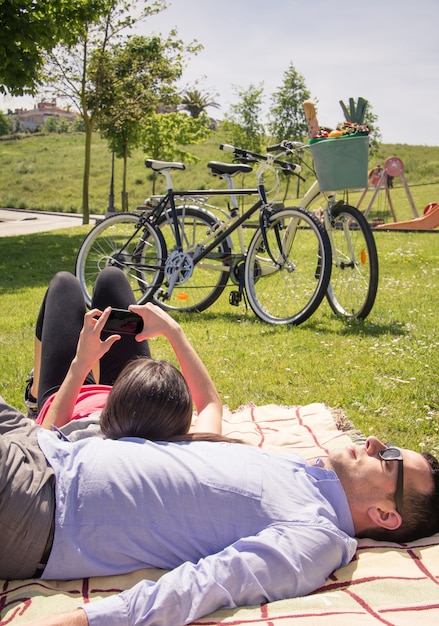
386	51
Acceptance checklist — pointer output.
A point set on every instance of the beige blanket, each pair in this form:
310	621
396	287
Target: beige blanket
386	584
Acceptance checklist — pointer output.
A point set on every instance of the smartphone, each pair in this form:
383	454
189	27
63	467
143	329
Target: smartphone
121	322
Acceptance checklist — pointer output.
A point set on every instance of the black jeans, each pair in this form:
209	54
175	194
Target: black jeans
60	321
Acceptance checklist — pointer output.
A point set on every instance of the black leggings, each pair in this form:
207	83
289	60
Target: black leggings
60	321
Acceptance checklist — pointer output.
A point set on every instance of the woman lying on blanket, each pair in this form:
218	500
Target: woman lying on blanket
79	370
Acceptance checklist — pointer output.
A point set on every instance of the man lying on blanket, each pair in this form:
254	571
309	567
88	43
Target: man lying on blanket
234	524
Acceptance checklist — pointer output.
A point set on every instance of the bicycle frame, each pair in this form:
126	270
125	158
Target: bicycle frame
167	205
223	231
171	195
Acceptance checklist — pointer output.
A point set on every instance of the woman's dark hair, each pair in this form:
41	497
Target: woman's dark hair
149	399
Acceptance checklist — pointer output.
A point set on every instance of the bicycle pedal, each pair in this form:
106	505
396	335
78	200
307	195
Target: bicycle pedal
161	295
235	298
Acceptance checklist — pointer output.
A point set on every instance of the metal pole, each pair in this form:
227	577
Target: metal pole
111	209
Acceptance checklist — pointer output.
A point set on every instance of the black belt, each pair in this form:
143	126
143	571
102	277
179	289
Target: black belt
46	552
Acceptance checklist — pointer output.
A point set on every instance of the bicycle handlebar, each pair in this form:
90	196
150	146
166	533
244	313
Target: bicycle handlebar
248	155
287	145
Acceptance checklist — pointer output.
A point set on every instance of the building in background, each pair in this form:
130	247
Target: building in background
32	119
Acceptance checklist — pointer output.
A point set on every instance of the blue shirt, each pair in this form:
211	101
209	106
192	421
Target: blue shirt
235	525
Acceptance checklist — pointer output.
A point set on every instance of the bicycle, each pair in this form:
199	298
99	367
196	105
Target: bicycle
355	268
284	271
353	285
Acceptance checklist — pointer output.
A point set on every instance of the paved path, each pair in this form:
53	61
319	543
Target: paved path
21	222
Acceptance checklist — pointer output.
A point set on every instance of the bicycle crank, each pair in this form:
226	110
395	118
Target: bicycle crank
179	267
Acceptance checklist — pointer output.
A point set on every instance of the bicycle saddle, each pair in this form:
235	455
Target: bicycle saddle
228	168
164	165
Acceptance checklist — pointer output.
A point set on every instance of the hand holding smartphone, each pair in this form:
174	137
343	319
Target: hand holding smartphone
123	322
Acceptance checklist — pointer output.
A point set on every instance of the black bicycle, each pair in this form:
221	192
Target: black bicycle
180	251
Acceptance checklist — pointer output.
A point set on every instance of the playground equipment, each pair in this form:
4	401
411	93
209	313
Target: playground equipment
428	221
382	178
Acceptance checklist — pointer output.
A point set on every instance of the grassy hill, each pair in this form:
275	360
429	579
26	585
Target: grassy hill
44	172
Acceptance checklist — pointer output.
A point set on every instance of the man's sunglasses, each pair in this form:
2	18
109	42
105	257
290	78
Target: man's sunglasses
393	454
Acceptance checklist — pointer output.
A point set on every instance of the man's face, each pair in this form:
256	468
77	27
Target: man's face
369	481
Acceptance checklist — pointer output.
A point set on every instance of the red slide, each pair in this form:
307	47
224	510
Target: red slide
428	221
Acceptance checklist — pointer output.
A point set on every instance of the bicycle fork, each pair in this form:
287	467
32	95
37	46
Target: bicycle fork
330	226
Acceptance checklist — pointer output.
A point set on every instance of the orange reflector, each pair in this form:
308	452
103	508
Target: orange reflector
363	256
182	296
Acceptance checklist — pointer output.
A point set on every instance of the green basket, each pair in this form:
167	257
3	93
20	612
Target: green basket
341	163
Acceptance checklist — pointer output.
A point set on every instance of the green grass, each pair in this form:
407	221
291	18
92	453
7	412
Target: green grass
383	372
45	172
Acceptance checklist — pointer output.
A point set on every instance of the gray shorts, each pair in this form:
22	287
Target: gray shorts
27	496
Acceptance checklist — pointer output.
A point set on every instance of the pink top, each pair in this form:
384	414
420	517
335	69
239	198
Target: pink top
91	398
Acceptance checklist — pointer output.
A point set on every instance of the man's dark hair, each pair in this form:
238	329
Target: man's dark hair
420	512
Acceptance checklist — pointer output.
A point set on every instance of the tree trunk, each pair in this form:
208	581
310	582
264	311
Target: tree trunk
124	179
86	177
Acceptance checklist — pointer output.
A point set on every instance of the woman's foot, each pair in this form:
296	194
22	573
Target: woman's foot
29	400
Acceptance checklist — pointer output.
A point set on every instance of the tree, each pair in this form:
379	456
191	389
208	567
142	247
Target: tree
139	77
195	102
50	125
244	119
30	29
287	118
5	124
165	134
71	76
54	124
375	137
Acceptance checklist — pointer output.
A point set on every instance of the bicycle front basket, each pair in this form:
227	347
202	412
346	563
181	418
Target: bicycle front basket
341	163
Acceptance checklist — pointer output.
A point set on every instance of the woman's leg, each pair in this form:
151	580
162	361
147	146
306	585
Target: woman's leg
59	324
113	289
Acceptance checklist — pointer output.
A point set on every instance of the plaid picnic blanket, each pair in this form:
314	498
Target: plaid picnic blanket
390	584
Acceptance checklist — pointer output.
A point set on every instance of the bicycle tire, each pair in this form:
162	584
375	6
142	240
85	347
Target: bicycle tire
290	290
142	260
207	279
354	279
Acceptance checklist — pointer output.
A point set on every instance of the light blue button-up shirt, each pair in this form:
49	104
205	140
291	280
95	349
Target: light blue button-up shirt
235	525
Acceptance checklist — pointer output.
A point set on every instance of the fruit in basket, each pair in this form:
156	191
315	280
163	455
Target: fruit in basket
351	128
335	133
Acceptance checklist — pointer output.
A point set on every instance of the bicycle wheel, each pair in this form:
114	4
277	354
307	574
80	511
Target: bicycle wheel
139	252
197	286
288	270
354	278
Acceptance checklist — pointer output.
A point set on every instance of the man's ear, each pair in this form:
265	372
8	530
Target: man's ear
389	518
